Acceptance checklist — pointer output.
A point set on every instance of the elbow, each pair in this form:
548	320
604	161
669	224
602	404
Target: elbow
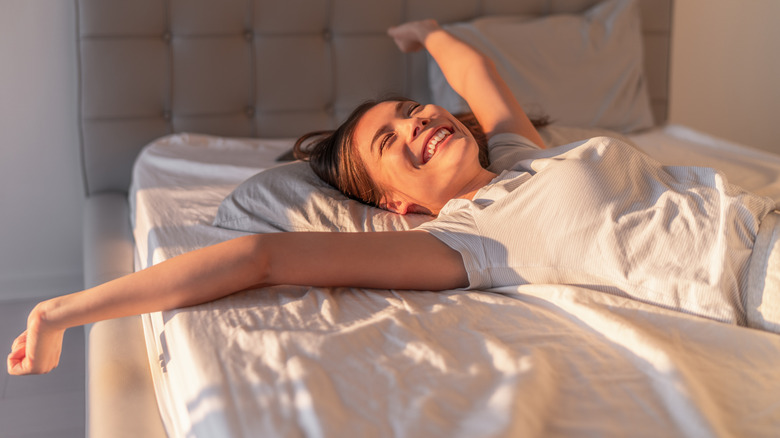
485	65
488	64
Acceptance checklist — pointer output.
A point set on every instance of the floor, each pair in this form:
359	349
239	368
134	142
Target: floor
46	406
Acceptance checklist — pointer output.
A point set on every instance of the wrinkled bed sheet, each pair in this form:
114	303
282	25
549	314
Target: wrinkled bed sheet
526	361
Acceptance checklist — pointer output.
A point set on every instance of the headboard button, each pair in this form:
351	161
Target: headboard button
166	115
327	35
249	35
167	37
249	111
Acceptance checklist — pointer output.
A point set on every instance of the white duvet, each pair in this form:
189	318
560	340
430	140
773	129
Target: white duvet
526	361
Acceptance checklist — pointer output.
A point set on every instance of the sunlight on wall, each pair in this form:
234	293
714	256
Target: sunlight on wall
725	65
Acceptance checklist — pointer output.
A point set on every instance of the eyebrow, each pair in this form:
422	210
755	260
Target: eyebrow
384	129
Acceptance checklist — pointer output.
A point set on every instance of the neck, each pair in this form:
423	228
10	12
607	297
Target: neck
480	180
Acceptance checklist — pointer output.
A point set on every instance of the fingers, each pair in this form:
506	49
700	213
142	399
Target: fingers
17	362
21	339
17	366
410	37
406	42
35	351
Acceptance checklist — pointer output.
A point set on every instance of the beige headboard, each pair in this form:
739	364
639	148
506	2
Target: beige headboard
265	68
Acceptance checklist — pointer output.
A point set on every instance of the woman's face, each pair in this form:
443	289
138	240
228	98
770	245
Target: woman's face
420	155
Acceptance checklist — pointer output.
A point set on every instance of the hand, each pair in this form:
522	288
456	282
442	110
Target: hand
37	350
410	37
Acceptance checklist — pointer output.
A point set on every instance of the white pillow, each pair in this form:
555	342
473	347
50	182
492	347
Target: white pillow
291	197
581	70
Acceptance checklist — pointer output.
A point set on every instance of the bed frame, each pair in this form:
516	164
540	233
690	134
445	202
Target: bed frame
242	68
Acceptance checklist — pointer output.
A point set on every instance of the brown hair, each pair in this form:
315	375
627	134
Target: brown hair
332	157
331	154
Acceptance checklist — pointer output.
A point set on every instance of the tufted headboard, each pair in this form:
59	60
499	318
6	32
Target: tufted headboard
266	68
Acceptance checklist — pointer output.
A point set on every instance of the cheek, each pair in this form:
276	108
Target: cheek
391	175
462	151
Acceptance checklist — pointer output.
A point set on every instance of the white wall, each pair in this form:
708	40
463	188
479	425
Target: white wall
725	77
40	184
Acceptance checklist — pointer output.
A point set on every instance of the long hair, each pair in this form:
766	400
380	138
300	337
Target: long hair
333	158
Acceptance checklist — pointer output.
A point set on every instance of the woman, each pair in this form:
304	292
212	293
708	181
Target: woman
396	154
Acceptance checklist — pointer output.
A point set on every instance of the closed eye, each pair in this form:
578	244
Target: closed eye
387	138
385	141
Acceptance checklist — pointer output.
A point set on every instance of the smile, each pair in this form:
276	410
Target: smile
431	148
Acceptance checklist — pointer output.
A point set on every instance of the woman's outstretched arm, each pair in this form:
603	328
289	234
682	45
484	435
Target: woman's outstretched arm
392	260
472	75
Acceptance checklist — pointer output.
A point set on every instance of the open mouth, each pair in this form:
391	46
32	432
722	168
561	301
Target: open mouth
433	144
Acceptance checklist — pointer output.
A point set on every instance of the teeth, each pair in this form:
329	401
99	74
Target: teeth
434	141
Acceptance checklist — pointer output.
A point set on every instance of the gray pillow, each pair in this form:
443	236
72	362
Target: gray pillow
581	70
291	197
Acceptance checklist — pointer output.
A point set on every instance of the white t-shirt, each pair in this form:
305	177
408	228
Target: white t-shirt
602	215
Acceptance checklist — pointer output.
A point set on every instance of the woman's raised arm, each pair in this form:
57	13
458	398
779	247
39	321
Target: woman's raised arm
397	260
472	75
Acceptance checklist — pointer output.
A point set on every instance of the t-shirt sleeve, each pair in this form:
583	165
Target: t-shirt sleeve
456	228
507	148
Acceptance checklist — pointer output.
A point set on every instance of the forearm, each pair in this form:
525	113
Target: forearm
192	278
460	63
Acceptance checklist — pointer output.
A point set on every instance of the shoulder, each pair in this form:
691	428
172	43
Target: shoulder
507	148
511	139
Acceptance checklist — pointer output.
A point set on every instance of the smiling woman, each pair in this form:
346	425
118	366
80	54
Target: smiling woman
421	156
410	158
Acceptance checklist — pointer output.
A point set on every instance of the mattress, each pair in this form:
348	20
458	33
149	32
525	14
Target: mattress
522	361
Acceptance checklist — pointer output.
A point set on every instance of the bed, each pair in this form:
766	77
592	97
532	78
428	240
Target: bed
183	104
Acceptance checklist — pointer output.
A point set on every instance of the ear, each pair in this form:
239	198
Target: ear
404	207
399	207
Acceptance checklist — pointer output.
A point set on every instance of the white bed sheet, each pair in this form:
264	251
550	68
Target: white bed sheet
526	361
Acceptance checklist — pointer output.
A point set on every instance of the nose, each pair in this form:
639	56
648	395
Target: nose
418	124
